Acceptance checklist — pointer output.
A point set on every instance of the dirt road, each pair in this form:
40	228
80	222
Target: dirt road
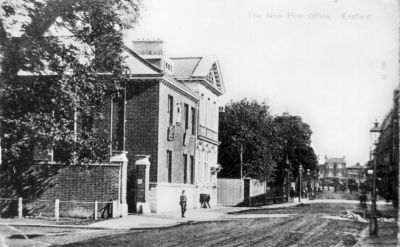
307	228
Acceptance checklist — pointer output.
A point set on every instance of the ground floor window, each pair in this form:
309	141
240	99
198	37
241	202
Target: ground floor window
185	168
191	169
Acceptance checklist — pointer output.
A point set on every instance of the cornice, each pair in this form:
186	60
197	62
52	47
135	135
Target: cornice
204	82
206	139
179	88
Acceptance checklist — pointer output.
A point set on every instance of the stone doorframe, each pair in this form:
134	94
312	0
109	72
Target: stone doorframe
121	159
142	165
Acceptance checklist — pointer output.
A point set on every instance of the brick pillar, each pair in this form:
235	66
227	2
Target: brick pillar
122	160
142	189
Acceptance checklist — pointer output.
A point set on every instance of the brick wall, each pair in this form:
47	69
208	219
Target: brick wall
176	146
142	123
85	184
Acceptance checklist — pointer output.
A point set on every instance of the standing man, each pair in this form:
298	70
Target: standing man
182	202
291	193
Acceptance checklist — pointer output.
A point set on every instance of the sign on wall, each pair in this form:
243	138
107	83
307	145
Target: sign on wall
171	133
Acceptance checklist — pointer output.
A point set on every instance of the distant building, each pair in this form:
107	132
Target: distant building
387	153
333	168
355	173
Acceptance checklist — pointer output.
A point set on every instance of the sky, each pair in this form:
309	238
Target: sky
332	62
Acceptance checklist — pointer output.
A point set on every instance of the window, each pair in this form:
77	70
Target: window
171	109
186	112
191	169
169	165
193	121
184	168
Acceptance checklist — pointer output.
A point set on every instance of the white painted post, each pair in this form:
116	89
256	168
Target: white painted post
96	206
57	209
114	209
20	207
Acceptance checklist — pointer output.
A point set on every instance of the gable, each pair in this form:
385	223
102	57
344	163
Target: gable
214	76
137	65
200	68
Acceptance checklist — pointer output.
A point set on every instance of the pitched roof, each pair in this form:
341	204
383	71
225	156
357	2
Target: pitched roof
185	66
193	66
356	166
137	64
199	67
335	160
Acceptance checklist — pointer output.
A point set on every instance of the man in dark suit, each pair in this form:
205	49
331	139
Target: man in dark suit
182	202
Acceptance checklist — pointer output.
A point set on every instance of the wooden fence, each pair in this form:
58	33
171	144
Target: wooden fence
240	191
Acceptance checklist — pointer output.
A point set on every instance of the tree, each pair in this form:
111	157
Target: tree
72	78
295	135
247	127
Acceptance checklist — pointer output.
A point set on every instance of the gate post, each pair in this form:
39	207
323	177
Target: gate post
57	209
20	207
143	176
122	160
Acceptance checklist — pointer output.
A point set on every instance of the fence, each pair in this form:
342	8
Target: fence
230	191
56	208
241	192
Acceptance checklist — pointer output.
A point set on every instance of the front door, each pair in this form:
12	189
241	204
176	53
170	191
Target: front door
246	191
131	190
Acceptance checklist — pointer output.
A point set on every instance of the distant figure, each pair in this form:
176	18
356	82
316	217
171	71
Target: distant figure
363	199
207	200
291	193
203	201
182	202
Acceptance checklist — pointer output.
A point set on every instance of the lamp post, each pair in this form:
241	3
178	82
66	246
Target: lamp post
373	223
287	169
288	178
308	183
300	173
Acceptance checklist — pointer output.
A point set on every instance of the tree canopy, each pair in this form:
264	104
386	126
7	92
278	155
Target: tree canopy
267	142
69	75
295	136
247	125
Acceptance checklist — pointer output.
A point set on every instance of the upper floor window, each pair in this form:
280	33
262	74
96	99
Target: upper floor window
193	120
186	115
171	109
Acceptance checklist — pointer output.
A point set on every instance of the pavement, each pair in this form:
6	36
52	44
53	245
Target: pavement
387	232
173	218
169	219
149	221
387	236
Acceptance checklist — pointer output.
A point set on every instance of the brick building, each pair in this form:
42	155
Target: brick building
387	153
164	135
183	143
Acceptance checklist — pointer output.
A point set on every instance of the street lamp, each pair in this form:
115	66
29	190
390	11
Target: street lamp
288	177
300	172
373	222
308	183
